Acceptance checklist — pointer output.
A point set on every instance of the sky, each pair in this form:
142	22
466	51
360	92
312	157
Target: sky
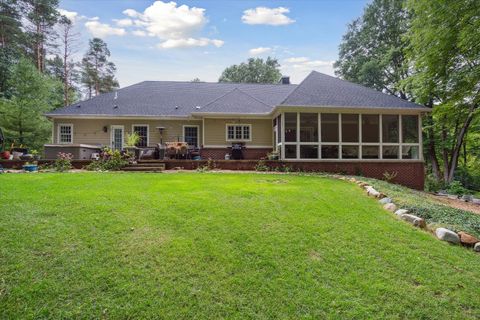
183	40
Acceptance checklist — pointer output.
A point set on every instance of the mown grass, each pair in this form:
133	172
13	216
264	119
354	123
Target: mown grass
424	206
209	246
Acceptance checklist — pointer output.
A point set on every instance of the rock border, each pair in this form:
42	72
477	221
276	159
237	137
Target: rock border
442	234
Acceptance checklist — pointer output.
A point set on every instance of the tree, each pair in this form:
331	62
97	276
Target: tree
42	16
33	94
196	80
11	40
372	50
445	53
68	76
68	38
255	70
98	74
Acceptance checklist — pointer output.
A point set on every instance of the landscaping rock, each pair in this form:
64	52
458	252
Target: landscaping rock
372	192
416	221
452	196
467	239
400	212
382	195
475	201
385	200
447	235
467	198
390	207
476	247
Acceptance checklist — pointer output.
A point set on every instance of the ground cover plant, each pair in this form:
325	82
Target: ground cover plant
212	245
423	205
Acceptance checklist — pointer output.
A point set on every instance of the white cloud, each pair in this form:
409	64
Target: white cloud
101	30
259	51
176	25
268	16
71	15
299	67
139	33
123	22
189	42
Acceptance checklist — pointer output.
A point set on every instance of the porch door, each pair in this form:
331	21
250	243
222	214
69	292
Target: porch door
116	138
190	135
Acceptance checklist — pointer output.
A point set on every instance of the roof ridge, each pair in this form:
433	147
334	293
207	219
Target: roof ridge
241	91
249	95
298	86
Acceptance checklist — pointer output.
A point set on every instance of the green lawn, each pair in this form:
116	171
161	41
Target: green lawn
206	246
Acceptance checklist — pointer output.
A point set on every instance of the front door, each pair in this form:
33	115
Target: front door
117	137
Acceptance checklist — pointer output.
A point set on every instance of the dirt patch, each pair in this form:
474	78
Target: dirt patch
456	203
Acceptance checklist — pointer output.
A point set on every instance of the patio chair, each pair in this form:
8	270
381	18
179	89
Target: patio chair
182	150
170	150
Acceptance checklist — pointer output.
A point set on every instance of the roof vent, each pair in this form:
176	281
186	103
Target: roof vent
285	80
115	107
78	106
116	95
197	107
176	107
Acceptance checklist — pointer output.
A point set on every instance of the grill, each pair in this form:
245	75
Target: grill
237	151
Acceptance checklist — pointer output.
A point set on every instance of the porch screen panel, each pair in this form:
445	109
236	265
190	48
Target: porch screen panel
350	127
370	128
142	132
410	129
308	127
329	127
290	127
390	128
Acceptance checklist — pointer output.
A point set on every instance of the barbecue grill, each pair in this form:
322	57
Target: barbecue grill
237	151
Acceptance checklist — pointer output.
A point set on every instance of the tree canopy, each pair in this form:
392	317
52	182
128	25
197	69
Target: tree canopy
255	70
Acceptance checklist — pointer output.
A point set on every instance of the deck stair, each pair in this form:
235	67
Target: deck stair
146	166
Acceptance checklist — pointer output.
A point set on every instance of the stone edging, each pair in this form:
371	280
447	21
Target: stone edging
441	233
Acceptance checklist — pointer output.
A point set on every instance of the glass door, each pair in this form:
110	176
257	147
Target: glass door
117	137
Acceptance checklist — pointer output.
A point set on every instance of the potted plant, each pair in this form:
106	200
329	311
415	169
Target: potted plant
132	139
35	155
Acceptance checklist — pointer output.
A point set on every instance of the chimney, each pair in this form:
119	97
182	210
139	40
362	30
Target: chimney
285	80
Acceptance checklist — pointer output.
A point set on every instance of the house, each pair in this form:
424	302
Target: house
323	119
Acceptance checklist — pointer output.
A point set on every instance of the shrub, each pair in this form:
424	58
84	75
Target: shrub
387	176
432	184
456	187
110	160
261	166
63	162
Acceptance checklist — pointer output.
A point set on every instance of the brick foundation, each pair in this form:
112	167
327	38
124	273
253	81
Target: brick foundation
409	173
248	153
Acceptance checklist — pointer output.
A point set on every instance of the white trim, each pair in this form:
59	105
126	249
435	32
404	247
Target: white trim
191	126
58	132
203	132
115	126
127	117
420	137
238	125
148	131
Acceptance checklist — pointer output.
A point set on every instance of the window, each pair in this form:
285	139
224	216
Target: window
329	127
238	132
370	128
290	127
390	152
65	133
308	152
370	152
329	152
349	127
290	151
308	127
190	135
409	129
390	128
349	152
142	131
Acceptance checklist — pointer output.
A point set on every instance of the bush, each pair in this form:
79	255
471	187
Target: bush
432	184
110	160
261	166
456	188
63	162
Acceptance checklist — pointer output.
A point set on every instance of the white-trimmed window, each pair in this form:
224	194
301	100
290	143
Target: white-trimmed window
65	133
142	131
190	135
239	132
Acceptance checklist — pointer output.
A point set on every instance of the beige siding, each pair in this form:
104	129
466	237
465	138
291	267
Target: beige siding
261	135
90	131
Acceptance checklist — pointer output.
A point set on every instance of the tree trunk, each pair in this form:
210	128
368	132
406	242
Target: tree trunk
458	145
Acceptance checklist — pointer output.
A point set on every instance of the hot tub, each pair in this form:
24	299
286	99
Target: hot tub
79	151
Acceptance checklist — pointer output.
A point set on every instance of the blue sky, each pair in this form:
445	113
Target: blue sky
155	40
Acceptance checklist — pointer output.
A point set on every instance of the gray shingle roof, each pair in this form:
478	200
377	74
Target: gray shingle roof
319	89
236	102
182	99
179	99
